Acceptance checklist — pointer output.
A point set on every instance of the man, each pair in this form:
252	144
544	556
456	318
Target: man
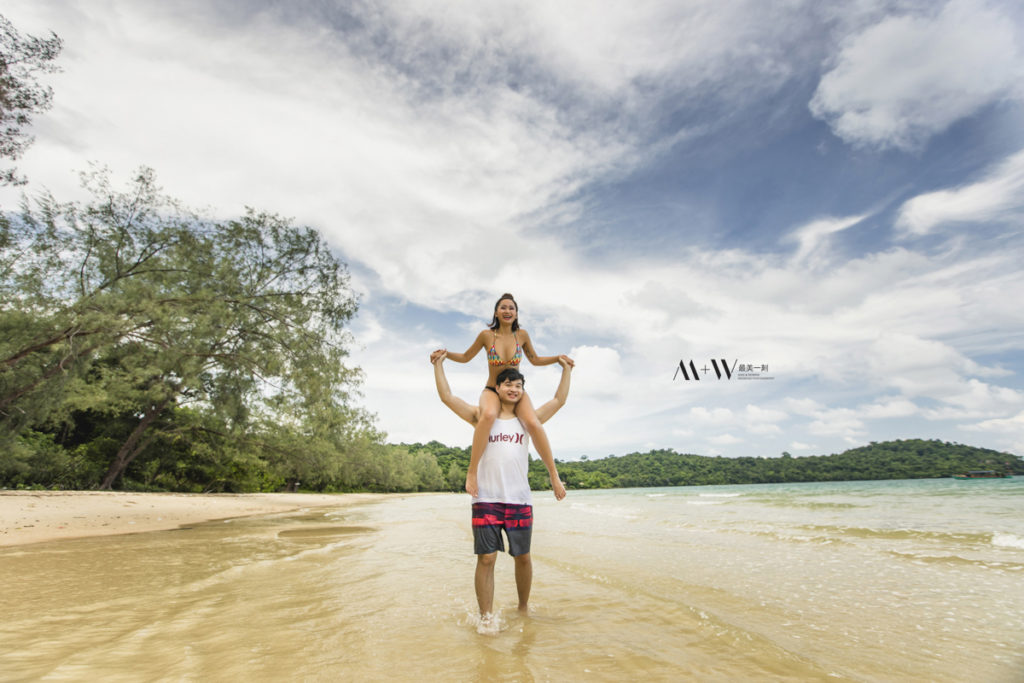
504	500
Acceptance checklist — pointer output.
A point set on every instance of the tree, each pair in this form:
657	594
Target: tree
21	94
132	305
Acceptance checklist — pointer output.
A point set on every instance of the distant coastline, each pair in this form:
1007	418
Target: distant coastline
898	459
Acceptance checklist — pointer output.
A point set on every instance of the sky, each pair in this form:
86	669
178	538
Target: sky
827	198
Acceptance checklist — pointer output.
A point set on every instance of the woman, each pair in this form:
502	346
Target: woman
506	344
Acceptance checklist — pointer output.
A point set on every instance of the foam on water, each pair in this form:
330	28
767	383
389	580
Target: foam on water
1008	541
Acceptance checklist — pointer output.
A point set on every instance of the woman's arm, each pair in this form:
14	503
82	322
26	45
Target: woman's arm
546	411
469	353
531	353
461	408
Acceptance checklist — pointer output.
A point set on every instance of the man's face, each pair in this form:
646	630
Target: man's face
511	390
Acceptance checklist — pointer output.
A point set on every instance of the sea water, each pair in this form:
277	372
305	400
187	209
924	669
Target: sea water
870	581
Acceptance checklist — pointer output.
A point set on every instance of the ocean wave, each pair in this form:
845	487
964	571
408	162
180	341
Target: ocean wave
1008	541
605	511
954	560
945	537
720	495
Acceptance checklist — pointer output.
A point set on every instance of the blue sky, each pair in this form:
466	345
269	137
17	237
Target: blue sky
834	190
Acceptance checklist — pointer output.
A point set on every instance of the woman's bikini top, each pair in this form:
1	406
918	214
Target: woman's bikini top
494	359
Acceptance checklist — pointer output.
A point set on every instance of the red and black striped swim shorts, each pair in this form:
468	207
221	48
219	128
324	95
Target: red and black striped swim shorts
489	519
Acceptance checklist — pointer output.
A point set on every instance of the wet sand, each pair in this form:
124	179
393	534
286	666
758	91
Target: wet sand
37	516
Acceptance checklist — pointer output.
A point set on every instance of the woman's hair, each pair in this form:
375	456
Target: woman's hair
494	320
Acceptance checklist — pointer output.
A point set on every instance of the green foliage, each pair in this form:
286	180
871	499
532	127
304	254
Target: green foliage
901	459
147	343
21	95
453	462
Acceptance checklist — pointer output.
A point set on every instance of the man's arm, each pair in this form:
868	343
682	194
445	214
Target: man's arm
467	412
545	411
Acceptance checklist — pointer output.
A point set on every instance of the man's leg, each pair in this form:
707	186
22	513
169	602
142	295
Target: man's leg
524	579
485	582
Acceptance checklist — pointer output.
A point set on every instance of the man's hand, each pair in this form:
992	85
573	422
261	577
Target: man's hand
558	488
564	360
439	354
471	486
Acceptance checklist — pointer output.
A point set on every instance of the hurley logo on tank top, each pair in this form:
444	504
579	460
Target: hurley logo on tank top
514	438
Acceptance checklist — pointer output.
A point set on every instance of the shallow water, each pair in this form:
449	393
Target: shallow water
906	580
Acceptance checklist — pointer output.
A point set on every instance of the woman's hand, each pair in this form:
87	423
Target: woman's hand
564	361
439	354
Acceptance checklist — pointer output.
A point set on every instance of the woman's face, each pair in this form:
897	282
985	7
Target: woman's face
506	311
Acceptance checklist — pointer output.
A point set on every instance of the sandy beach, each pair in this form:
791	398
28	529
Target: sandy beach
36	516
772	582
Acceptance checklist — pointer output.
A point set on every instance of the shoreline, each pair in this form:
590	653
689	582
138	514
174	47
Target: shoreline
28	517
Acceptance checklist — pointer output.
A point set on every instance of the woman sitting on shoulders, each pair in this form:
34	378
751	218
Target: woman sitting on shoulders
506	345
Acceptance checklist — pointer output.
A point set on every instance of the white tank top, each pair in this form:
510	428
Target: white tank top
502	473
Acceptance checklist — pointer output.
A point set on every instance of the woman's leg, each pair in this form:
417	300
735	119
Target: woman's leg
489	408
526	415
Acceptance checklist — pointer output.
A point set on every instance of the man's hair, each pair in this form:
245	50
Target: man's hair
509	375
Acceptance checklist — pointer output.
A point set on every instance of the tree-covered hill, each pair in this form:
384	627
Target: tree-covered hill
901	459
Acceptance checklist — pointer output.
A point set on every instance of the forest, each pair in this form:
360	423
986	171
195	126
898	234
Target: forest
899	459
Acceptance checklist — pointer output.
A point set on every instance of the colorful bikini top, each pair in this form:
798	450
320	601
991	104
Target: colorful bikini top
494	359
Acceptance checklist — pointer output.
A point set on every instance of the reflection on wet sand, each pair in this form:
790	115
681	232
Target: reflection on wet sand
324	531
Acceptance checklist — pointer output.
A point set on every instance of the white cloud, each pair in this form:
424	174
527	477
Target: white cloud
908	77
763	421
1009	431
973	398
1010	425
890	407
803	406
999	197
841	422
600	372
715	416
812	239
